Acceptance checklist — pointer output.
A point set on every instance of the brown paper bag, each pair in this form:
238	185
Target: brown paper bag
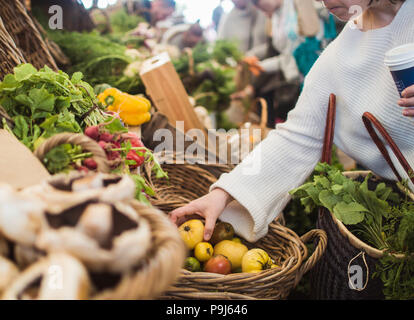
18	166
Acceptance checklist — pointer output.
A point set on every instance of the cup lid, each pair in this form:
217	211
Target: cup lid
400	55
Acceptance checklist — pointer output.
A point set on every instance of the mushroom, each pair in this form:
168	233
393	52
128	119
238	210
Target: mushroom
26	255
106	237
8	272
56	277
4	247
64	191
20	217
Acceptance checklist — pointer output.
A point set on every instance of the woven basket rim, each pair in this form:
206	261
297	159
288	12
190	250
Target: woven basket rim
355	241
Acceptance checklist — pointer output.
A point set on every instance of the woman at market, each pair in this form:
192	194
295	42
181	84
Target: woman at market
244	24
351	67
289	53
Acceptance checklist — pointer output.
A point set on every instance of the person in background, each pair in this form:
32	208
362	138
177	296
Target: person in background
153	11
218	13
184	36
244	24
288	55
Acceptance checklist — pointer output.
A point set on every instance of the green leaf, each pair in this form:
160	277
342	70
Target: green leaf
115	126
21	128
77	77
349	213
24	71
42	100
328	199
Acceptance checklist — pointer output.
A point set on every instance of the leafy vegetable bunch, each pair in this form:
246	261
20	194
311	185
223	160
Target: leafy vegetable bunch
43	102
212	82
100	59
377	214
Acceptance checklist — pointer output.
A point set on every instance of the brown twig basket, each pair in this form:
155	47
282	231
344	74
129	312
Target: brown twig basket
10	54
188	182
283	245
162	265
87	144
25	34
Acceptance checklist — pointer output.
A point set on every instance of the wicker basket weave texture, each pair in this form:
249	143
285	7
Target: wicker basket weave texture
25	34
10	54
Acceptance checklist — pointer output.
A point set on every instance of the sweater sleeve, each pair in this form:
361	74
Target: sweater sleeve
280	163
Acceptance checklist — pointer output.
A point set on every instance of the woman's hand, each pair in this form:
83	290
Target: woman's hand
407	101
209	207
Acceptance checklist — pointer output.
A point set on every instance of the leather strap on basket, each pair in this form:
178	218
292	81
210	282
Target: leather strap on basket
370	121
329	131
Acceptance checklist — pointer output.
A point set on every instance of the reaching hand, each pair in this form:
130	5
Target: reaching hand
209	207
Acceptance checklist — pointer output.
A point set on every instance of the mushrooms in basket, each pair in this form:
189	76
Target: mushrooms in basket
55	277
106	237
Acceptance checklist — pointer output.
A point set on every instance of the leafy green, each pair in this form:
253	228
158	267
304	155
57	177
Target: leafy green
44	102
379	216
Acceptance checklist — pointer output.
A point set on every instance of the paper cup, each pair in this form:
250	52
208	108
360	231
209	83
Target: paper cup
400	61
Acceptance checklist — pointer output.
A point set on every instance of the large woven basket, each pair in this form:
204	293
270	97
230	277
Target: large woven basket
283	245
10	54
25	34
330	279
188	182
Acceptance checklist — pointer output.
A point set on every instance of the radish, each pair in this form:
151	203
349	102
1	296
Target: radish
92	132
90	164
107	137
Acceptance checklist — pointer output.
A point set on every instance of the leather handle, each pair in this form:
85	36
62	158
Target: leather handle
329	131
370	122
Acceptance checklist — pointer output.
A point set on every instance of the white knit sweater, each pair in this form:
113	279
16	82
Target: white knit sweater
352	68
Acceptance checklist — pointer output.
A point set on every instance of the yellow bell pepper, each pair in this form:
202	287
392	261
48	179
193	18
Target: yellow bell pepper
133	110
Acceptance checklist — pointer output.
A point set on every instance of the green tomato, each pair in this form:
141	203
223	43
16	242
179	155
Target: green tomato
192	264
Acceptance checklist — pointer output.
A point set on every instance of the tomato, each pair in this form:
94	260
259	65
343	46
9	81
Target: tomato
203	251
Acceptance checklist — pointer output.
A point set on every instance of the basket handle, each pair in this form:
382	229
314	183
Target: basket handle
263	106
86	143
370	121
329	130
318	252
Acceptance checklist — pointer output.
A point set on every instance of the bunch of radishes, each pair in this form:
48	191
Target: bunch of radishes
115	148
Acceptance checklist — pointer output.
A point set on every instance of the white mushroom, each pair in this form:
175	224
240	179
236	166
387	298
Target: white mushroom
58	277
20	217
64	191
116	245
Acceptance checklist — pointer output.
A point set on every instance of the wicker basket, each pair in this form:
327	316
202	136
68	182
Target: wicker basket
283	245
25	34
188	182
87	144
10	54
185	183
330	279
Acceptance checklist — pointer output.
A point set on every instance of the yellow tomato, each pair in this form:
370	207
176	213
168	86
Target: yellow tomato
256	260
237	240
231	250
203	251
192	232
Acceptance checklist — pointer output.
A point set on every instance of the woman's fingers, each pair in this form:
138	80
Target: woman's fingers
406	102
209	226
181	212
408	92
408	112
